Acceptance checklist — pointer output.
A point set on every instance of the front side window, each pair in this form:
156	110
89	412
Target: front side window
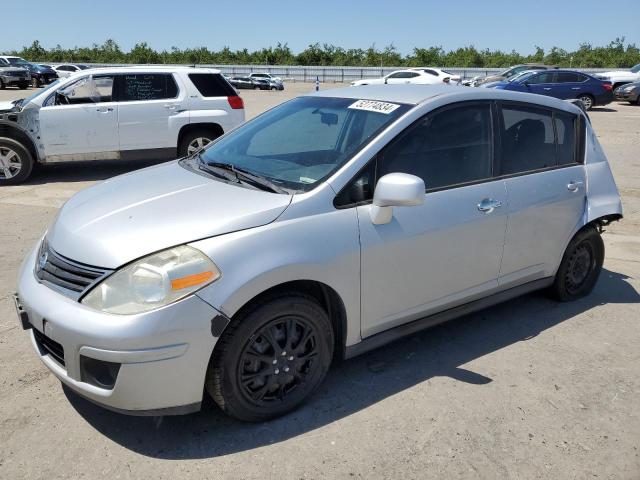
449	147
545	77
527	138
84	90
397	75
147	86
301	142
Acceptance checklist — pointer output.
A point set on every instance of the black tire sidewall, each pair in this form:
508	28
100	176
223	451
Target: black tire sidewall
229	396
25	157
559	289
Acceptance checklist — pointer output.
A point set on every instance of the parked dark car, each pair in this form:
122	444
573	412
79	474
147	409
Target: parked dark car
629	92
249	83
13	76
40	75
563	84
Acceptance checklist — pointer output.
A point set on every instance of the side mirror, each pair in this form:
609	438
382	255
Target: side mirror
395	190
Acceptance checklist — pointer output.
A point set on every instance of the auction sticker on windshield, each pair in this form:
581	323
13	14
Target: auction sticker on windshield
374	106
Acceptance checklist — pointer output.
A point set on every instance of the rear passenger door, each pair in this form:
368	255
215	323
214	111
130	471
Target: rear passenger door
545	188
569	84
447	251
151	113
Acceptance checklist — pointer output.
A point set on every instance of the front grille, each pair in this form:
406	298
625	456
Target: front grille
67	276
49	346
16	73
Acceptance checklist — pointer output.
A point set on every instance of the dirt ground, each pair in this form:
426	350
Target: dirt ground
527	389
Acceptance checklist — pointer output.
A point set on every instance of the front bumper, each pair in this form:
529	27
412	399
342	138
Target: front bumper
11	80
162	355
631	96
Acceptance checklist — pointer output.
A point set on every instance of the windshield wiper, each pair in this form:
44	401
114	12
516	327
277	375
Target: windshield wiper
246	176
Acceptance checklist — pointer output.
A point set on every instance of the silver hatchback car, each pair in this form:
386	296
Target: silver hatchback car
327	226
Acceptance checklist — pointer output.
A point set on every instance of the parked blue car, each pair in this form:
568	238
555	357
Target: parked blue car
562	84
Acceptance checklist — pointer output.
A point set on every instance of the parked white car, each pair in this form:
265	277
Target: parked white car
266	76
67	69
419	76
128	113
620	77
440	74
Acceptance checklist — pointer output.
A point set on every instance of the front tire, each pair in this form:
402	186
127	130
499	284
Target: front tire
16	162
35	83
271	358
580	267
23	86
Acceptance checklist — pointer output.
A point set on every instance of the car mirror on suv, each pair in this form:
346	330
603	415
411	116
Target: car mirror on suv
395	190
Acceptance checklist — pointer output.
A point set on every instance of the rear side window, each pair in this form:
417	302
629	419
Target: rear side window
445	148
566	133
212	85
147	86
570	77
527	139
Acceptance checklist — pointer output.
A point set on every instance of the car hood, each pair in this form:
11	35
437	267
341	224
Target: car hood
130	216
491	78
6	106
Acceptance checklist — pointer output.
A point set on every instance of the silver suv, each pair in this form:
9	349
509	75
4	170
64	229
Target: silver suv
325	227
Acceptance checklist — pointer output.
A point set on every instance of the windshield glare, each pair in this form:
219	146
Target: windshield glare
301	142
17	61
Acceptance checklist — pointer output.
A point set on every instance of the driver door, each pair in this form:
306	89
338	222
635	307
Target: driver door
80	121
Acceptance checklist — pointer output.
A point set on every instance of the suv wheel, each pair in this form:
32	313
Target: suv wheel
271	358
34	82
580	266
194	141
587	101
16	162
23	86
2	85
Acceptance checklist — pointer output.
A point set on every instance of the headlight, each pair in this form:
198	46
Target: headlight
153	281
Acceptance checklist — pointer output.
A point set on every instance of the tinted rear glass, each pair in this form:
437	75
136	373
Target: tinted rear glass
211	85
566	132
528	140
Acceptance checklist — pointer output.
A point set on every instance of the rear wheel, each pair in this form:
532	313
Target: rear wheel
587	101
271	358
34	82
580	266
16	162
195	140
2	85
23	86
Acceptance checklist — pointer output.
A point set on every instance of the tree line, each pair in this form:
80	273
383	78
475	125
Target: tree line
618	54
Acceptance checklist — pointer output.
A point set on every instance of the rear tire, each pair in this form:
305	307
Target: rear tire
194	140
271	357
587	101
35	83
580	267
16	162
2	85
23	86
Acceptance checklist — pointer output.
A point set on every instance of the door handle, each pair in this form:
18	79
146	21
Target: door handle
575	88
169	106
547	88
104	109
574	186
488	205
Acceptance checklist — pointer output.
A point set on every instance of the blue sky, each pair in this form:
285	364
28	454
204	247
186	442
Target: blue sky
505	25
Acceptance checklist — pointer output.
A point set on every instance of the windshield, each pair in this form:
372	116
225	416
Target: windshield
524	76
17	61
635	69
23	101
302	142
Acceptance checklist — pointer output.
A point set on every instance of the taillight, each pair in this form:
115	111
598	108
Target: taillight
607	86
236	102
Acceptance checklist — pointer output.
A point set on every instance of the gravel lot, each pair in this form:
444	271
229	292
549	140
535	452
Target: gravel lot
527	389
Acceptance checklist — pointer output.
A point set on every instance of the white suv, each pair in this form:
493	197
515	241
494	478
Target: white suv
125	113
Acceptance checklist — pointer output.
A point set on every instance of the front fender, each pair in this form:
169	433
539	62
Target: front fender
323	247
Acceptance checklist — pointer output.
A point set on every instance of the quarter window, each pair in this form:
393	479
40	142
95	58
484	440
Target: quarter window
566	133
445	148
147	86
212	85
527	139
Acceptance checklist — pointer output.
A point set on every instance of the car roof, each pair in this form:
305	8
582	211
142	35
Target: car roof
152	68
416	94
